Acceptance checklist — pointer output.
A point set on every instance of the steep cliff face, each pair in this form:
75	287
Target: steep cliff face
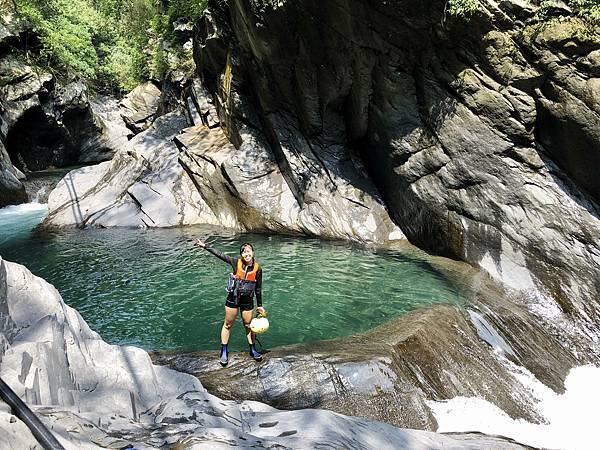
482	135
12	190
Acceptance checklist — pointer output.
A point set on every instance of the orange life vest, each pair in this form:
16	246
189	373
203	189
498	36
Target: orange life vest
241	275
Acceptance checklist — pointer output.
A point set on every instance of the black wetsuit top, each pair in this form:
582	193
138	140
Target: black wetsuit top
244	302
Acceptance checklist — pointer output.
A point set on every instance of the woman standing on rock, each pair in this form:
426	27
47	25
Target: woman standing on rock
245	282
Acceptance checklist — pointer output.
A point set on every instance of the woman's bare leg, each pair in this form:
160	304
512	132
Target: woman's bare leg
230	315
246	319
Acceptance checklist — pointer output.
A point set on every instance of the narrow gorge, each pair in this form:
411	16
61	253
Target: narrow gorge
432	165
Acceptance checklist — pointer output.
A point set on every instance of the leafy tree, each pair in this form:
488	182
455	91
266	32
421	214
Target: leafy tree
66	30
587	9
113	43
461	8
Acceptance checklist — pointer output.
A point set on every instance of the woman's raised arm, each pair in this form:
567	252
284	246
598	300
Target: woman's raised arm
228	259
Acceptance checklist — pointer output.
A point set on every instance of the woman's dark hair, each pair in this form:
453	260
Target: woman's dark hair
246	244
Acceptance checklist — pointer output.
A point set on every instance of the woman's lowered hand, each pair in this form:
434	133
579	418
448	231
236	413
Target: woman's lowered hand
261	311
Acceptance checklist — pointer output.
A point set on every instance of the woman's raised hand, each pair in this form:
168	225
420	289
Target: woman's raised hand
199	243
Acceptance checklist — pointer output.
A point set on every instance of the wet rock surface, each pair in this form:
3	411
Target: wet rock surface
386	374
96	395
481	143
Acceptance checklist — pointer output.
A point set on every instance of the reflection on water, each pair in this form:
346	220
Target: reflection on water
153	289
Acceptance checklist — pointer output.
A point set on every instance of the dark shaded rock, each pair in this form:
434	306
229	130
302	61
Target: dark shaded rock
48	125
106	132
200	107
12	191
55	129
12	28
44	124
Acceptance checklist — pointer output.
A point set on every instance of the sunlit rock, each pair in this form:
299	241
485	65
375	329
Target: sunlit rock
246	188
142	186
139	107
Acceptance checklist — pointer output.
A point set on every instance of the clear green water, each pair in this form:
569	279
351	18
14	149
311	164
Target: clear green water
153	289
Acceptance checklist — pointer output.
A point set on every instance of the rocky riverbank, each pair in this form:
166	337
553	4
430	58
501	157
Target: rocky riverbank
390	372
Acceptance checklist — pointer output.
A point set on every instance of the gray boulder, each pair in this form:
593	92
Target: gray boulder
142	186
111	131
139	107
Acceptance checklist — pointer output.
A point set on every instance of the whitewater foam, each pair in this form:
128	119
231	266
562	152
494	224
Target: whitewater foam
571	417
19	220
23	208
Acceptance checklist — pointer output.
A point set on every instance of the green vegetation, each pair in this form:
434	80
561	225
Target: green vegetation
588	10
115	44
461	8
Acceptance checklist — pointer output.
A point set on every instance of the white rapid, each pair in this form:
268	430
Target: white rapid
571	417
19	219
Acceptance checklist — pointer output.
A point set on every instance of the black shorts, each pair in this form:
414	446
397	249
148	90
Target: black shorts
244	303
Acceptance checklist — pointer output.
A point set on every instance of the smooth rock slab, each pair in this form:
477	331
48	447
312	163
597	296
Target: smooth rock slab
246	188
139	107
